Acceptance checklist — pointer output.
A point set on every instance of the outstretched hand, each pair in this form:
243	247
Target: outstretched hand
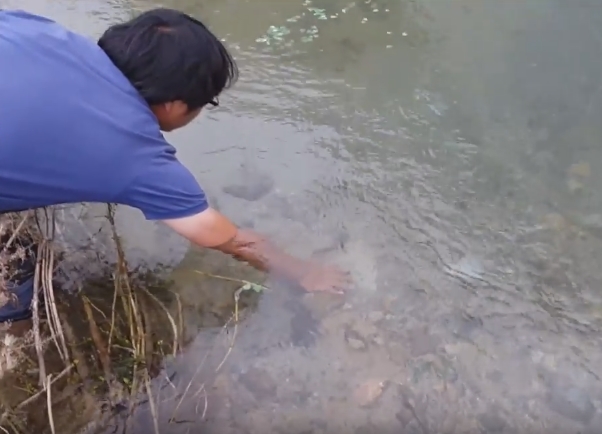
321	278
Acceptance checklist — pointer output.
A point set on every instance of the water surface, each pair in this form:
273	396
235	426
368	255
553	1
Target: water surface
447	154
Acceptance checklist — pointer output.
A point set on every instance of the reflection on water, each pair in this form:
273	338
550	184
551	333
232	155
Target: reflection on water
446	153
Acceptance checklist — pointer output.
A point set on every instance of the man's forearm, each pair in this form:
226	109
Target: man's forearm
211	229
251	247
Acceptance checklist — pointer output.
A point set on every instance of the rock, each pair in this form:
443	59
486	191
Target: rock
492	422
574	186
356	344
398	352
252	187
375	317
378	340
360	333
591	222
555	221
222	384
582	170
571	403
281	205
364	329
304	327
259	383
595	425
496	376
321	304
421	342
368	393
331	242
258	421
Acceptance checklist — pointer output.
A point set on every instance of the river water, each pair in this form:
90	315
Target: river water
446	154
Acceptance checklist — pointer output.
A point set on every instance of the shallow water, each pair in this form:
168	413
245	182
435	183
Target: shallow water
446	153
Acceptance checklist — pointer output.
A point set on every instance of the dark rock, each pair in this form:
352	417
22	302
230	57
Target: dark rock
422	342
571	403
495	376
321	304
247	224
281	205
252	187
595	425
492	422
304	327
259	383
468	325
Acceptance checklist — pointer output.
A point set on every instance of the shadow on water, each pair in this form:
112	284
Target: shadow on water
446	153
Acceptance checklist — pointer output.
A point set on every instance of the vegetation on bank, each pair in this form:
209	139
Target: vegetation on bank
87	353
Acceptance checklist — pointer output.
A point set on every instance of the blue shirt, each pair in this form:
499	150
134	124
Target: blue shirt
73	128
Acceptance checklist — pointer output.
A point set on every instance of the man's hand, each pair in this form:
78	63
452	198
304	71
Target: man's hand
325	278
213	230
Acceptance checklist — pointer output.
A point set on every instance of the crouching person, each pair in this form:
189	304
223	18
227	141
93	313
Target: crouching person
82	121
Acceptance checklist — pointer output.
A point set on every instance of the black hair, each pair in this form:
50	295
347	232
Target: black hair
167	56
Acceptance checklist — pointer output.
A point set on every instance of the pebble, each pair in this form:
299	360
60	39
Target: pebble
375	317
582	170
364	329
356	344
555	221
368	393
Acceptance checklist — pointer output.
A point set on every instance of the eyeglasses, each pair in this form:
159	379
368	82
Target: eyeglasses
214	102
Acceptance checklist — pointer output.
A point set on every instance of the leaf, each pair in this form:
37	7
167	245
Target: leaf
250	286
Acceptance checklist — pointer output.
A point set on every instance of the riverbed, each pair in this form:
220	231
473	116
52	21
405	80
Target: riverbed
447	155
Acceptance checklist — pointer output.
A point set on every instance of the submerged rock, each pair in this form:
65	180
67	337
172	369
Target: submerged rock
492	422
259	383
368	393
252	186
571	403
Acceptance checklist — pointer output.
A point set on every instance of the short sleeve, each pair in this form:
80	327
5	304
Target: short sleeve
165	189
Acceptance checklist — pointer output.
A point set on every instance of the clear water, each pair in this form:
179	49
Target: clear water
447	154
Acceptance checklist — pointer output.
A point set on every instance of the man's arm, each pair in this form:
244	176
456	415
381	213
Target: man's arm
165	190
213	230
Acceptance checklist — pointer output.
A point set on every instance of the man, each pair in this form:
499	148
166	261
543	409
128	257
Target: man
83	122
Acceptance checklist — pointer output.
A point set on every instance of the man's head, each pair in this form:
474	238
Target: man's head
176	64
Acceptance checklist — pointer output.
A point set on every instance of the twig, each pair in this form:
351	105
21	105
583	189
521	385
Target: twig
169	317
113	312
49	403
180	317
32	398
36	326
151	403
16	231
230	279
47	264
230	347
103	354
206	405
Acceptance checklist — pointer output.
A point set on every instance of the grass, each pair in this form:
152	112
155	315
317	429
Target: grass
105	355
